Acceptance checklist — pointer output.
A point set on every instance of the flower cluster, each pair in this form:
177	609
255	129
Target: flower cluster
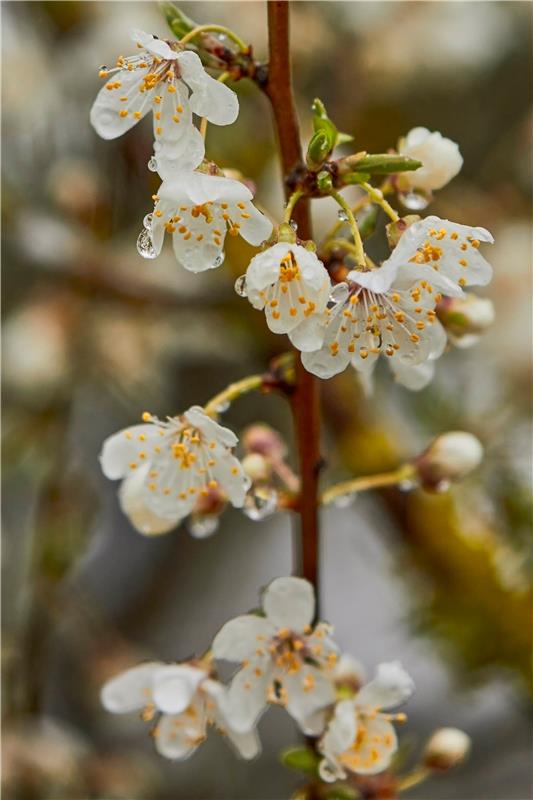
284	660
195	203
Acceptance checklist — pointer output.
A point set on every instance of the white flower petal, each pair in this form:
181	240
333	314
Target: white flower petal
178	735
210	98
178	145
132	502
255	227
247	695
309	335
122	449
307	691
440	157
239	638
108	116
211	429
131	690
246	744
375	748
390	687
175	685
289	603
339	736
413	376
314	724
154	45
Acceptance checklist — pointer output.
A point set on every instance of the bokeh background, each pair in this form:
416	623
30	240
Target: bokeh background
93	335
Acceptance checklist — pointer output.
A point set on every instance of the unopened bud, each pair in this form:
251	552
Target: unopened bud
448	458
446	748
318	149
177	21
465	318
263	439
257	467
395	230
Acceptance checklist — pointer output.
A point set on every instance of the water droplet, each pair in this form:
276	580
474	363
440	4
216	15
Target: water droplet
406	486
441	486
103	68
223	407
152	164
240	286
415	201
260	503
145	246
342	215
344	500
219	260
293	225
147	221
339	293
202	525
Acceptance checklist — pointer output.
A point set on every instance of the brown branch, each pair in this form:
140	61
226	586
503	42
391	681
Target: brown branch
305	400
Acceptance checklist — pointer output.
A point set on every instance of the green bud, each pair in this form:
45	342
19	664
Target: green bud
396	229
385	164
324	182
177	21
321	122
302	759
318	150
286	234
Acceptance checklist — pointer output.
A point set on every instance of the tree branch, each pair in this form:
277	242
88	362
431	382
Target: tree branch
305	401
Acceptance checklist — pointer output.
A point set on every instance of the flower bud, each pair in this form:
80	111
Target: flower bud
257	467
440	157
446	748
465	318
263	439
448	458
396	229
318	149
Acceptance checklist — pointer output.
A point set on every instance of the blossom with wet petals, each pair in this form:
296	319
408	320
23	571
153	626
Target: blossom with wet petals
440	157
284	660
173	84
360	737
168	466
391	310
293	287
198	210
183	699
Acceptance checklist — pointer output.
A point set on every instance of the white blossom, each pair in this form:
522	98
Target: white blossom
283	659
360	737
446	748
168	466
172	83
391	310
293	287
198	210
183	699
440	157
449	457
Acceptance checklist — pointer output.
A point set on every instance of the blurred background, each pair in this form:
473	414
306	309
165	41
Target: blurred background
93	335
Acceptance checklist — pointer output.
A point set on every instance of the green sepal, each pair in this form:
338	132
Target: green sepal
386	164
343	138
178	22
318	150
324	182
301	759
355	177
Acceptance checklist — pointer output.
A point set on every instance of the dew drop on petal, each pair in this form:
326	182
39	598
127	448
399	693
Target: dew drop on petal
145	246
147	221
103	68
415	201
406	486
293	225
152	164
339	293
342	215
219	260
344	500
240	286
261	502
202	525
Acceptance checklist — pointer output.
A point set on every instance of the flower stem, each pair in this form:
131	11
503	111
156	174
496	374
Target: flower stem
361	203
413	778
376	196
291	203
305	399
355	485
231	393
243	47
359	250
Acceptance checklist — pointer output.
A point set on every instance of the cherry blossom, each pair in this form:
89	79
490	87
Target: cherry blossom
440	157
283	659
168	466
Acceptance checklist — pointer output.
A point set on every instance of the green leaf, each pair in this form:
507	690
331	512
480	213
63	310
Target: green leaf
318	150
302	759
385	164
321	122
343	138
178	22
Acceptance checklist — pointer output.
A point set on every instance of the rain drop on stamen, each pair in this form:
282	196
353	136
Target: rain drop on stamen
342	215
145	246
414	201
260	503
152	164
240	286
147	221
339	293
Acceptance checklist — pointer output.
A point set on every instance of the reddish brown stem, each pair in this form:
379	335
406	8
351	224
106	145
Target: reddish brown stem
305	402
